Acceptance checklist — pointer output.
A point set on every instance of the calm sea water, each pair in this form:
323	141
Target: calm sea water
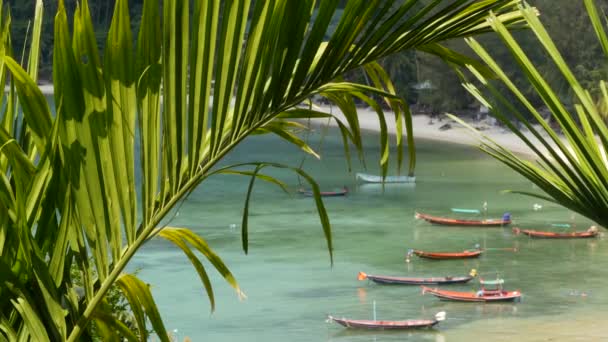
291	285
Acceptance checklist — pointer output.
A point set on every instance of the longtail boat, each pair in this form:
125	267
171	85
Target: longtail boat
445	255
589	233
505	220
388	325
388	179
487	295
417	280
310	193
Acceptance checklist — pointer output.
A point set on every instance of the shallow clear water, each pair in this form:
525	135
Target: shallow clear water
291	285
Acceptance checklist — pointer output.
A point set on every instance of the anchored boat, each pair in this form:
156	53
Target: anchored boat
388	325
445	255
417	280
505	220
488	295
589	233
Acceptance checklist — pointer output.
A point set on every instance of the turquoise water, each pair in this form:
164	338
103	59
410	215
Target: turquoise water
291	285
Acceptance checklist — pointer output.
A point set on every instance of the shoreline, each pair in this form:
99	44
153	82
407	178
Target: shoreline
46	88
427	128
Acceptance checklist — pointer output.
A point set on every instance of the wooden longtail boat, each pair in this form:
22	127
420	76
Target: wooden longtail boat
496	294
310	193
589	233
388	179
388	325
480	296
417	280
506	219
446	255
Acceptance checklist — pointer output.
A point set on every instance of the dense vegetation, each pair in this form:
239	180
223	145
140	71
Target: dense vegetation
566	20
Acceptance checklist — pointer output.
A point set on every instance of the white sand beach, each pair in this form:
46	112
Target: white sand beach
46	88
425	127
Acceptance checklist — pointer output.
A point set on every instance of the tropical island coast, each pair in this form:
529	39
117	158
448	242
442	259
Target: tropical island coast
425	127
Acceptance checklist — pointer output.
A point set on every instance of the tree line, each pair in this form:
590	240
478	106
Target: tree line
430	84
421	79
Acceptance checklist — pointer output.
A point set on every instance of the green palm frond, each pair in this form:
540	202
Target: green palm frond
194	85
571	165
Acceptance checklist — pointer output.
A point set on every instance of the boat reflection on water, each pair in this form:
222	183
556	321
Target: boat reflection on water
496	309
378	179
431	335
362	295
387	188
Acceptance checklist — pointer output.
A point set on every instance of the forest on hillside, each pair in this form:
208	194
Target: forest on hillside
426	82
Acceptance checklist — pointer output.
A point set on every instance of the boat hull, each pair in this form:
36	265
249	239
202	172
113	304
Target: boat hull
384	325
485	297
387	280
463	223
552	235
448	255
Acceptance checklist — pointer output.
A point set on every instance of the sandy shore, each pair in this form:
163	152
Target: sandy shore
46	89
427	128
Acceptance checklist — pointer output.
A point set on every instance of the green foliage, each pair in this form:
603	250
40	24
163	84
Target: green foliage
68	191
571	163
115	303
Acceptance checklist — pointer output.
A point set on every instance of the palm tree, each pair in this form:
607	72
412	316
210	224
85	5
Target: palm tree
68	191
571	165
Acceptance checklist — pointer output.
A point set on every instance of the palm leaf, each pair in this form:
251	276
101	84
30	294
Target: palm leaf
35	327
255	175
111	325
139	295
572	169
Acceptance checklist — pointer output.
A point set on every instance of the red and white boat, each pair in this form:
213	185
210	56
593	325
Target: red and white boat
495	294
